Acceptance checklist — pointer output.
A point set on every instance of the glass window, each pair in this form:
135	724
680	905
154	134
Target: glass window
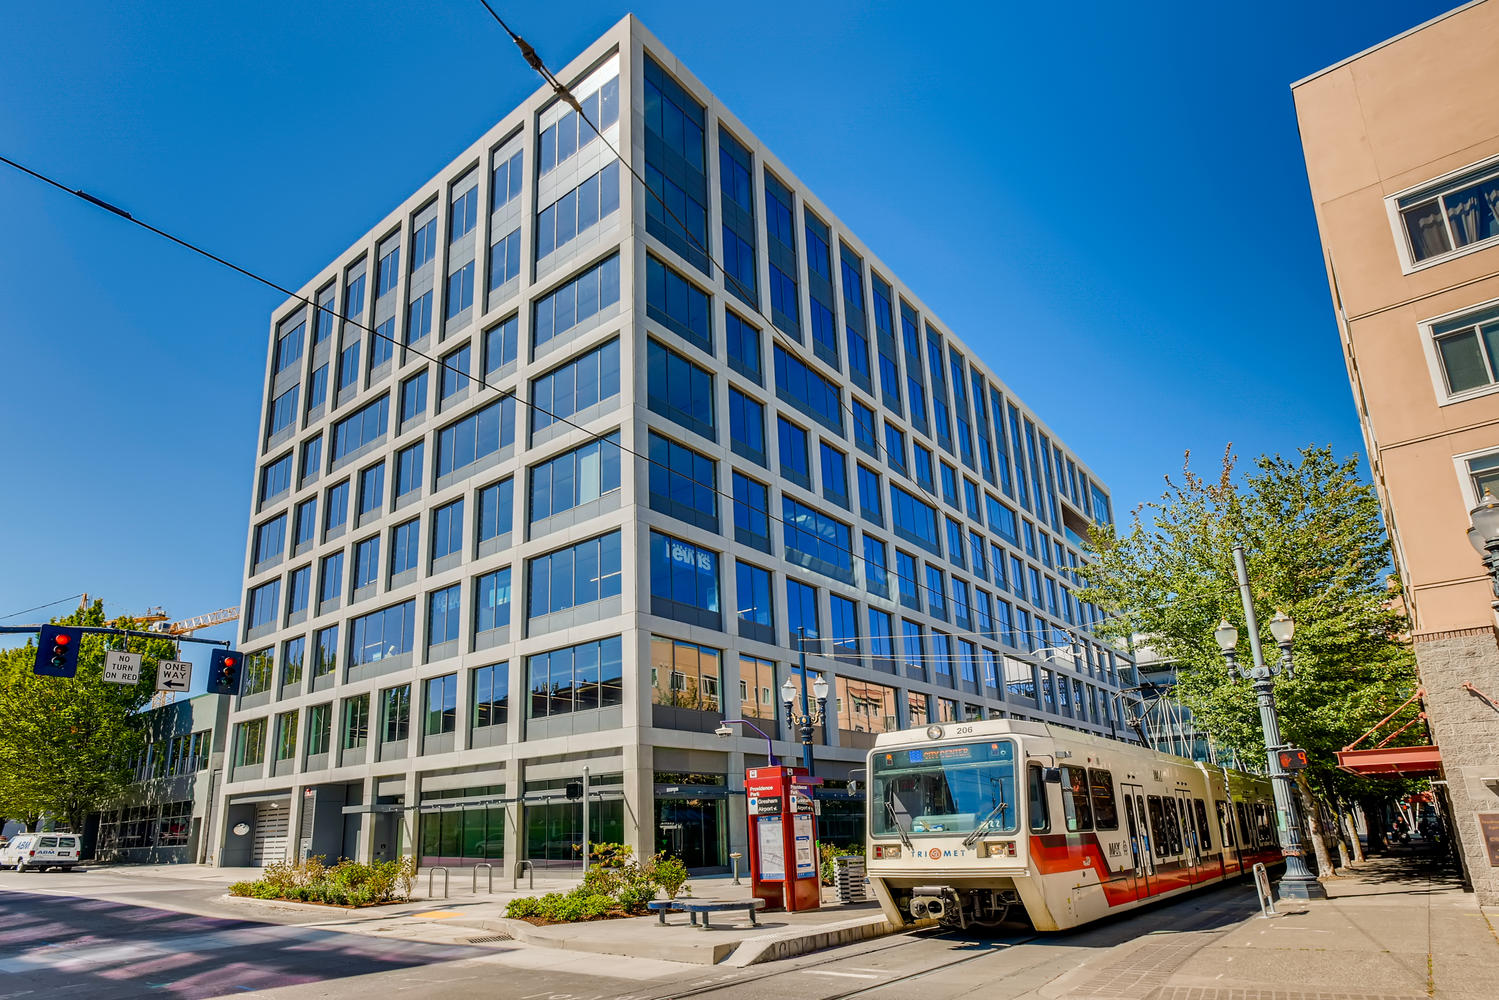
811	393
275	478
395	714
1460	213
382	634
594	200
492	600
679	390
677	304
444	612
914	520
441	704
834	474
414	396
356	722
496	504
409	468
571	133
684	573
330	575
685	675
476	436
491	695
1468	349
576	678
460	294
454	374
447	529
501	345
870	504
575	477
876	579
579	574
571	388
575	302
365	426
682	482
746	427
801	610
796	465
744	347
366	561
815	541
752	585
405	542
751	512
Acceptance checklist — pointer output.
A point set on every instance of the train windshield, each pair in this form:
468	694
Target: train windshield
944	790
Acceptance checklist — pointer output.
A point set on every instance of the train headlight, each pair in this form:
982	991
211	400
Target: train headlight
882	851
997	849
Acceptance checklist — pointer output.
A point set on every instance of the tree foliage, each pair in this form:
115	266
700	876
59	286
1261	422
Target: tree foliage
66	744
1316	550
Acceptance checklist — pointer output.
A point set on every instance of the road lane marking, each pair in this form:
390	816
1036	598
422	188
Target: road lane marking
845	975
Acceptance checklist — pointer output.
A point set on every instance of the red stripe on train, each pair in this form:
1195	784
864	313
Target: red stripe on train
1060	853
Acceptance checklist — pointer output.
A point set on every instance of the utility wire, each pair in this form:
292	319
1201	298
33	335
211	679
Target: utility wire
38	607
565	94
855	556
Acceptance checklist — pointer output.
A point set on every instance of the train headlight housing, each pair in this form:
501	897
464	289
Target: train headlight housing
884	851
997	849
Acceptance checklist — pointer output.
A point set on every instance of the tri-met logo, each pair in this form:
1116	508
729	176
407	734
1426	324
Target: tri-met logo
937	853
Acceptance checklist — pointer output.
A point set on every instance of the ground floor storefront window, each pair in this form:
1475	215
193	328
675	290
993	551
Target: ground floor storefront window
143	827
554	823
462	836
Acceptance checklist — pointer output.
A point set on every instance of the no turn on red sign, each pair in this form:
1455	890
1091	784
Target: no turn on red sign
121	667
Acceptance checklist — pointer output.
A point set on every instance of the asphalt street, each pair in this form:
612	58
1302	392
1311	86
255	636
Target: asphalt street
98	935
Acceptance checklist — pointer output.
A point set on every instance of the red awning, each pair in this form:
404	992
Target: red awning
1405	762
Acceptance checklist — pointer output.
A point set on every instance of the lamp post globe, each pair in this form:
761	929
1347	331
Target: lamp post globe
1282	628
1227	636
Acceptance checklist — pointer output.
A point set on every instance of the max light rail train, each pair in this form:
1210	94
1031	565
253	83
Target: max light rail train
969	820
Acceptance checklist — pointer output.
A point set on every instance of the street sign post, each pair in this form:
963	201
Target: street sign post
173	675
121	667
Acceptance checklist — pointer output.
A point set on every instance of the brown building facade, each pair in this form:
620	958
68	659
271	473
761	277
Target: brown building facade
1402	154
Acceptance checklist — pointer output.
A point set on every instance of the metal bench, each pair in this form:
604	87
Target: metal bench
695	907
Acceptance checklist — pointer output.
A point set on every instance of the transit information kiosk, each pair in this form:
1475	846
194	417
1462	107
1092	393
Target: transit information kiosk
783	837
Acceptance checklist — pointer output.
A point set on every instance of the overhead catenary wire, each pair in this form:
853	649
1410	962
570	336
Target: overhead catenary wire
25	611
605	437
600	436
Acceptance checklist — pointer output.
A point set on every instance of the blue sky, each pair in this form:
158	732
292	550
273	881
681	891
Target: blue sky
1107	201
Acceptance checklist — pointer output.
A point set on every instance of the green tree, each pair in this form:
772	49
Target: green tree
1316	549
66	745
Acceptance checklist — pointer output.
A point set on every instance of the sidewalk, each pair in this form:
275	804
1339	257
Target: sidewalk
1400	928
465	914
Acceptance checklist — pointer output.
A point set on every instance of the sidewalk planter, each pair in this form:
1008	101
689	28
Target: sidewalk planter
347	884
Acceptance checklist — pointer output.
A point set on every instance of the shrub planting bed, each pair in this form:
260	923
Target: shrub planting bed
347	883
615	885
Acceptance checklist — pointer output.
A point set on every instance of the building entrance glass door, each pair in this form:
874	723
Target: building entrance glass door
693	830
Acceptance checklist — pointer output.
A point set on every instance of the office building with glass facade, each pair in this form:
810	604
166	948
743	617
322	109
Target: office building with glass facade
594	490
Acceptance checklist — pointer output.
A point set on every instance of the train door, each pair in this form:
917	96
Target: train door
1191	846
1139	838
1166	838
1212	856
1232	862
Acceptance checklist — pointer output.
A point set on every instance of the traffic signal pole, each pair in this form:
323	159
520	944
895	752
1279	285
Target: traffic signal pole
98	630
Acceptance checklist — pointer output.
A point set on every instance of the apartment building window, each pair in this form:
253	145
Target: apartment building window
677	304
575	477
258	672
283	412
757	689
298	585
575	302
317	388
746	427
423	241
441	704
881	640
286	736
491	695
576	678
843	621
683	483
460	294
801	611
574	576
306	522
371	488
348	367
463	214
780	226
914	520
913	648
504	261
684	581
865	707
249	743
1451	216
736	183
312	460
751	512
1483	475
395	714
476	436
383	634
325	651
1467	351
270	539
579	210
573	387
864	432
414	396
356	722
936	593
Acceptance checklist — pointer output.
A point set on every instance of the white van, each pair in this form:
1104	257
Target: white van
30	851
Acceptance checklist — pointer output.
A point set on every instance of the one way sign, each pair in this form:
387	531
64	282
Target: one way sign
173	675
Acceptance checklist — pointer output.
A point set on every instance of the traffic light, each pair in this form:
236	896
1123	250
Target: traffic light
575	789
224	670
57	651
1292	758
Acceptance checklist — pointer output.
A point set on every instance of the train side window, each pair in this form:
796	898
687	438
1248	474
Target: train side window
1075	807
1225	828
1245	836
1040	816
1105	808
1262	824
1202	824
1160	833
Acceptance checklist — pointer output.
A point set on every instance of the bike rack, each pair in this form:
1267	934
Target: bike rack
530	875
431	874
475	887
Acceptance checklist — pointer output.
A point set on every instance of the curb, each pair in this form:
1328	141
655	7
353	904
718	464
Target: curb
774	947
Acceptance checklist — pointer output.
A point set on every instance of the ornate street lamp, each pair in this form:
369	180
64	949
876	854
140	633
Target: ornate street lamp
1298	881
807	719
1484	534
